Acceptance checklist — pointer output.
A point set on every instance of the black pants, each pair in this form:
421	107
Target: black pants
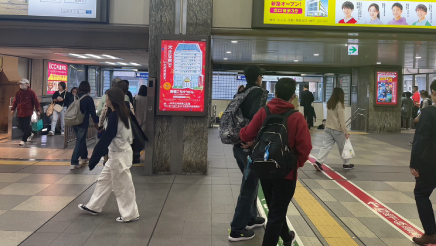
24	125
278	194
423	189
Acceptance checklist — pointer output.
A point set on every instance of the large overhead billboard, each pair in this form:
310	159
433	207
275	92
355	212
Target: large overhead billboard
337	13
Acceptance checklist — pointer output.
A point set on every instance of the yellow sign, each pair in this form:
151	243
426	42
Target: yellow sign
397	14
54	77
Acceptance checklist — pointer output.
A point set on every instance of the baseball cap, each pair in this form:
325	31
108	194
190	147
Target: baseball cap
24	81
252	72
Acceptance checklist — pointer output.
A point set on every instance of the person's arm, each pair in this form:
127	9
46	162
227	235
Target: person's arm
15	103
249	133
102	146
421	139
302	140
101	104
55	96
257	103
341	116
91	109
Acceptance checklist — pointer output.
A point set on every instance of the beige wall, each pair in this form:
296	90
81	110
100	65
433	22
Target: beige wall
232	13
129	12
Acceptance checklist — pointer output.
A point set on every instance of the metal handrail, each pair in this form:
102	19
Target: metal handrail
70	136
213	116
355	115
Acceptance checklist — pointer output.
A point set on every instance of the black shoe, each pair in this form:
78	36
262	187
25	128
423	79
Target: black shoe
318	166
84	208
258	222
243	236
348	167
291	243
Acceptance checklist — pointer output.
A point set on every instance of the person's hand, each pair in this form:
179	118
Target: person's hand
60	99
347	136
12	112
416	120
414	172
38	113
247	145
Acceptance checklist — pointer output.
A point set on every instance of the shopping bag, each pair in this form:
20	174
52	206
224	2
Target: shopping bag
348	152
34	118
50	109
36	127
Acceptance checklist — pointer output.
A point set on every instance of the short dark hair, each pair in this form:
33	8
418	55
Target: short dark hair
84	87
408	94
251	73
285	88
348	5
433	86
416	87
399	5
63	84
143	90
306	86
324	120
122	85
421	7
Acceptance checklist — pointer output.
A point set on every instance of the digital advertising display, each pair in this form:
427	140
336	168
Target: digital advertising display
57	72
367	13
387	88
182	76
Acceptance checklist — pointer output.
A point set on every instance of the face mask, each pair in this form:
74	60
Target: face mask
23	87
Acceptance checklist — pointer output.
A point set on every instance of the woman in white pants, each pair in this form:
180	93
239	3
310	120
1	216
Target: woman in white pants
115	175
61	98
335	129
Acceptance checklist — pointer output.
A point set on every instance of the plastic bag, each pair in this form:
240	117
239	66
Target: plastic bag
348	152
34	118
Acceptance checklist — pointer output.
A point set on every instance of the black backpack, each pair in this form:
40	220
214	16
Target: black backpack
271	157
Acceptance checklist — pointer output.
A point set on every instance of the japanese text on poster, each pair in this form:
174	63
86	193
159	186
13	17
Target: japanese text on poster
182	75
387	88
57	72
410	14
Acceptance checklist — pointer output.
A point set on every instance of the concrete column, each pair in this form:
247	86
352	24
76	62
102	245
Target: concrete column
179	144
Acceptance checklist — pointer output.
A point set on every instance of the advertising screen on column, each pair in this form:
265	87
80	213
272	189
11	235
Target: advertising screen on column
182	76
57	72
387	88
390	14
78	10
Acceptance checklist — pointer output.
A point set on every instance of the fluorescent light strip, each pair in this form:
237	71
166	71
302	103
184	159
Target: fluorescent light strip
229	52
111	57
122	63
135	64
234	42
94	56
110	63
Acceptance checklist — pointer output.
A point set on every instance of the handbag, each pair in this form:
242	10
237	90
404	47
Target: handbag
139	138
36	127
50	109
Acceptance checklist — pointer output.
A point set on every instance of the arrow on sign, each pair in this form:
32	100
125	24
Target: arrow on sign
353	50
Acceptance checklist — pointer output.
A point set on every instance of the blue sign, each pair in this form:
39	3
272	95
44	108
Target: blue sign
88	12
240	77
142	75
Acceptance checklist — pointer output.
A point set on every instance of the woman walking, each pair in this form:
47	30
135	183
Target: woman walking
115	175
61	98
335	129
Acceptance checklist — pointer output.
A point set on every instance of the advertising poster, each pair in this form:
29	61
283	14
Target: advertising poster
395	14
52	8
387	88
182	75
57	72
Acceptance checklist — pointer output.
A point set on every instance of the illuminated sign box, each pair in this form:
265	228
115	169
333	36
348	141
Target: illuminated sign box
386	89
183	75
56	73
342	13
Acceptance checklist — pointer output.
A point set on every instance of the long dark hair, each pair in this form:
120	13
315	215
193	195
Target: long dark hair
337	96
376	7
116	96
143	91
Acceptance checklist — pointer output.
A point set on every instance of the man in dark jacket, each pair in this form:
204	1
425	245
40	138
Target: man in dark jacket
25	101
245	216
306	101
423	167
279	192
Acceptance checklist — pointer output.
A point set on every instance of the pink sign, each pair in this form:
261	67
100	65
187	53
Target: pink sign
57	72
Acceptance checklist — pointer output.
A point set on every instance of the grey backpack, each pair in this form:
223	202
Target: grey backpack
232	120
74	116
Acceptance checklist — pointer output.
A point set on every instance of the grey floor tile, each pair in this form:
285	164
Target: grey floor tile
169	227
45	203
165	239
222	218
398	241
13	238
2	185
374	186
78	179
40	239
54	227
198	217
196	240
196	228
380	228
133	239
84	224
341	195
23	220
63	190
11	177
23	189
373	242
223	208
41	178
8	202
71	239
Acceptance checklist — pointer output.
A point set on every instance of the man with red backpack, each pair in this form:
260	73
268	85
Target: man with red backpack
280	189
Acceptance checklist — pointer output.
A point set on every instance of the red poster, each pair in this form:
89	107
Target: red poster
387	88
57	72
182	76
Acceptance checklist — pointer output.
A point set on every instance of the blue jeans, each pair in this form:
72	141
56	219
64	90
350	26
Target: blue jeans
80	150
246	209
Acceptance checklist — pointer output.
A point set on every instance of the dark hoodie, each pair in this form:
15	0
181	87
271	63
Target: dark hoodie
298	134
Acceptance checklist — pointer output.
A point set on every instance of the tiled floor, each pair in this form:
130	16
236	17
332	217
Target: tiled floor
39	202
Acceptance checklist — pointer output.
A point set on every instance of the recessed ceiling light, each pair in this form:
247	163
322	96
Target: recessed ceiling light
303	74
229	52
234	42
418	57
111	57
295	60
225	59
94	56
122	63
135	64
346	44
315	54
378	63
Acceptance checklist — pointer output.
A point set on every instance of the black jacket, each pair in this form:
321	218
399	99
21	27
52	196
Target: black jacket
65	95
87	107
306	99
424	144
252	102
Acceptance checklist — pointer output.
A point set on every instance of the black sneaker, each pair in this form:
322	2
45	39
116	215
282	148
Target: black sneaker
348	167
243	236
291	243
318	166
84	208
257	223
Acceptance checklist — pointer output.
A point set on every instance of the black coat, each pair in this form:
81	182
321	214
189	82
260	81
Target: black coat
306	99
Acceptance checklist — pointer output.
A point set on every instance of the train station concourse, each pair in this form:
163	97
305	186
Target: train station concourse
217	122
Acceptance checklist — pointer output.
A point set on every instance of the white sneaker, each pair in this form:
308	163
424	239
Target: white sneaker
22	143
50	133
121	220
30	137
73	167
84	162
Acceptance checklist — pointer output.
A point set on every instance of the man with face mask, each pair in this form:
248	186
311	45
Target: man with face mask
25	101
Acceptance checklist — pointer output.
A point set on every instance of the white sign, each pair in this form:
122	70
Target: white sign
353	50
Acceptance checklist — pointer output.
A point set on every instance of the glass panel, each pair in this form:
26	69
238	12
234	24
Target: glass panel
408	81
134	83
106	80
77	74
345	84
421	82
330	81
225	85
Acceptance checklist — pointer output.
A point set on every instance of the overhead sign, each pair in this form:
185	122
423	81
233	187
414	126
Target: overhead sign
353	50
182	76
387	88
142	75
56	72
395	14
124	74
240	77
